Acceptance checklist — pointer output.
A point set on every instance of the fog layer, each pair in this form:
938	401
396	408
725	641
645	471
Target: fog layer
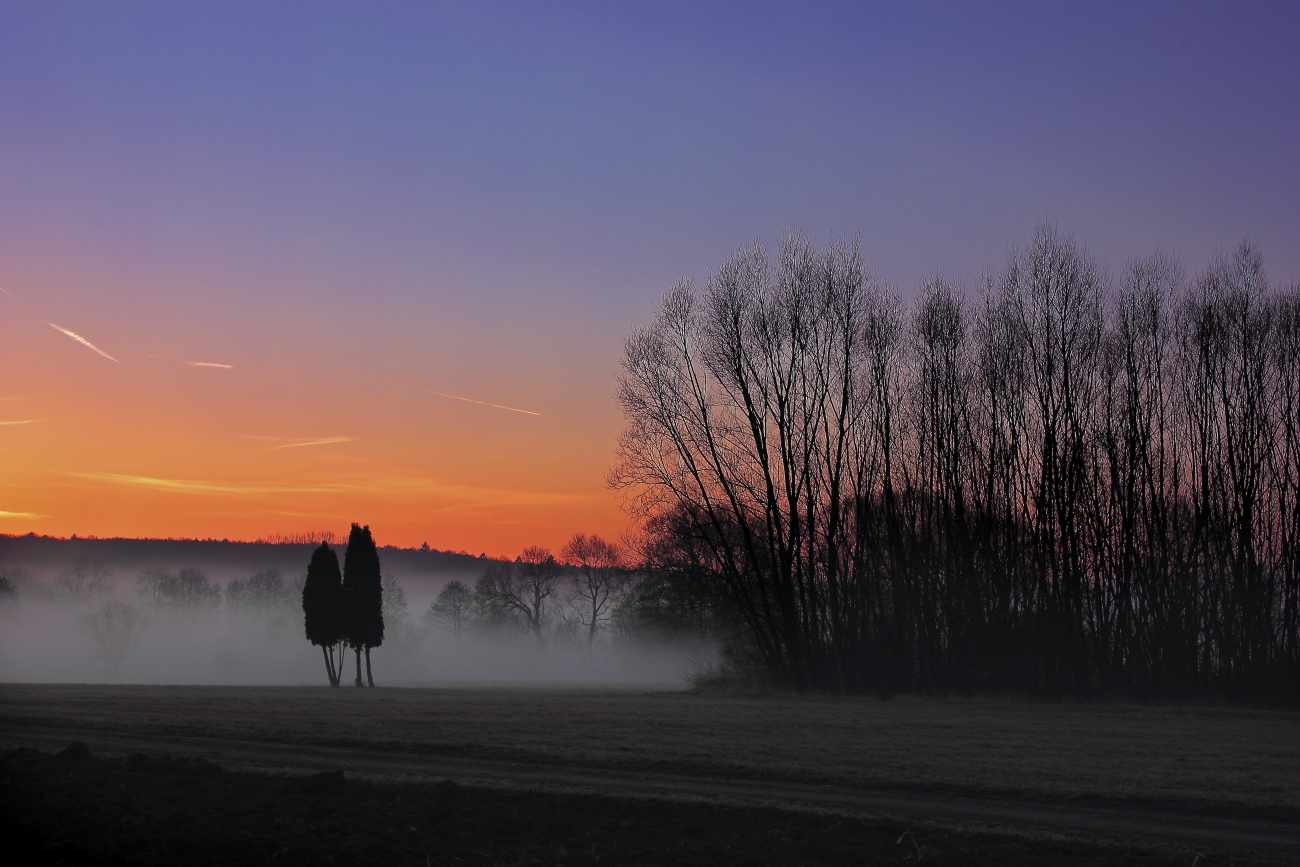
92	622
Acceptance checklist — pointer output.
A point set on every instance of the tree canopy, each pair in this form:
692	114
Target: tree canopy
1062	484
363	594
322	606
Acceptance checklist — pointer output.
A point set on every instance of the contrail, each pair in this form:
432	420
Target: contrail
24	421
208	364
483	402
84	341
323	442
200	487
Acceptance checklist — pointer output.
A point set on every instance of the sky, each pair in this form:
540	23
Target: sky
285	232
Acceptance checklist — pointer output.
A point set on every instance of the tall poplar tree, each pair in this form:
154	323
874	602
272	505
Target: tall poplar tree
363	596
322	607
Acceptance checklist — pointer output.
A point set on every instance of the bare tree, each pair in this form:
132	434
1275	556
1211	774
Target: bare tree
595	582
83	581
1056	294
1067	487
1137	640
452	611
395	605
1284	478
752	416
940	448
522	590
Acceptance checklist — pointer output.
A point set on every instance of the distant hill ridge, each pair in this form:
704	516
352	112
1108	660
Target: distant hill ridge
221	558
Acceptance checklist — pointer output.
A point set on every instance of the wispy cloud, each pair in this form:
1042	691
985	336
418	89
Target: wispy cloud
215	364
7	292
84	342
431	496
22	421
482	402
28	515
324	442
191	486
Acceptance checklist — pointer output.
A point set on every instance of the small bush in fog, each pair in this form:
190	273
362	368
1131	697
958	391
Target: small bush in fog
8	591
394	602
395	605
264	591
116	629
188	590
74	585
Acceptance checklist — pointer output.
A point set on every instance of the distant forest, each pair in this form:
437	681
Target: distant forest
288	553
1065	483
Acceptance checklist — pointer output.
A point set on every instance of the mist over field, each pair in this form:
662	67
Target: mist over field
94	611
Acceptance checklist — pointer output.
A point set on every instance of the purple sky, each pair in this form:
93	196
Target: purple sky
484	198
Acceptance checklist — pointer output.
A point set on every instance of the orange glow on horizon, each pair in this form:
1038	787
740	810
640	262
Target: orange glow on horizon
261	443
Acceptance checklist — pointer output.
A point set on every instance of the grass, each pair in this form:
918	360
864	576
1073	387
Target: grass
1199	758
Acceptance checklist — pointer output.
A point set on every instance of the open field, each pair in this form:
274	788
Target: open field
1176	781
1241	759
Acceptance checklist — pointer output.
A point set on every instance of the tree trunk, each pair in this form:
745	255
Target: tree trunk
329	665
370	677
356	651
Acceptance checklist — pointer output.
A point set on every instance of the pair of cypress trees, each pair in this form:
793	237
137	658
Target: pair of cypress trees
346	610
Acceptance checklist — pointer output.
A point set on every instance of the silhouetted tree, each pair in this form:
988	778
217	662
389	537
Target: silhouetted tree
1069	487
363	597
83	581
322	608
452	610
595	581
521	590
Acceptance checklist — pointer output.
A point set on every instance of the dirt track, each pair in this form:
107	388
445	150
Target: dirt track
1128	824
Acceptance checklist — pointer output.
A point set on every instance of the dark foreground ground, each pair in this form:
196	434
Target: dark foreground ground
74	808
189	776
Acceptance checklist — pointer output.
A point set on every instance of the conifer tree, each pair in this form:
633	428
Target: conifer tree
363	595
322	608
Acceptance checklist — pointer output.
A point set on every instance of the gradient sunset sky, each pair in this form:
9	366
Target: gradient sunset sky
285	232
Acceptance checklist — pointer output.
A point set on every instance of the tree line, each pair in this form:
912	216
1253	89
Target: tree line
1062	484
589	590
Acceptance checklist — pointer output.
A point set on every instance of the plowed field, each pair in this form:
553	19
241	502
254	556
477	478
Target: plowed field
495	776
